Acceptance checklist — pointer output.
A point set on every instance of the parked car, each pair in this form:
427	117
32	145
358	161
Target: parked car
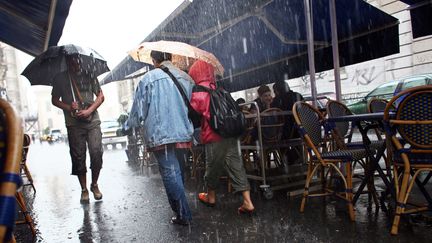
110	136
55	136
388	90
322	99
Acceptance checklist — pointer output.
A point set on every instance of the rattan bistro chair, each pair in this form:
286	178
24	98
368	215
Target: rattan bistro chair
24	170
11	141
345	129
272	130
344	132
410	135
311	123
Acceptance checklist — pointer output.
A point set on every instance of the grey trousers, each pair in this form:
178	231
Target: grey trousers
221	155
79	139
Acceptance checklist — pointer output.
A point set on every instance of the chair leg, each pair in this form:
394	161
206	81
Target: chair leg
27	218
400	202
310	172
349	192
27	173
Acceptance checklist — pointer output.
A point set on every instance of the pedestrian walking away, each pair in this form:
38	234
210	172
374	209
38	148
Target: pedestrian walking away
220	152
73	92
161	111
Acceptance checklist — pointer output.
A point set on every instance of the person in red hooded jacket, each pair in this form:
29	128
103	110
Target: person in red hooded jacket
220	152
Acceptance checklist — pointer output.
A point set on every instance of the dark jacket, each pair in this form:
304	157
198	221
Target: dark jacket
285	102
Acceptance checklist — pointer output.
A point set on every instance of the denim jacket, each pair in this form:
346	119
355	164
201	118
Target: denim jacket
160	109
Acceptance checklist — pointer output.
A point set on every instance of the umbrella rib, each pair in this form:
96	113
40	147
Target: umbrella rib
215	29
282	38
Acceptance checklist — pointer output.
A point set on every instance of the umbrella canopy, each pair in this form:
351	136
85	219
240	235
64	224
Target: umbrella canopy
180	51
43	69
32	25
263	41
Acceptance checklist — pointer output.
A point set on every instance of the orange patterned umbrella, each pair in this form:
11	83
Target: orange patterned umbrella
183	54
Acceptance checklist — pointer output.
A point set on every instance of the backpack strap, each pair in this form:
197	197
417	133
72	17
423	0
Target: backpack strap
200	88
179	87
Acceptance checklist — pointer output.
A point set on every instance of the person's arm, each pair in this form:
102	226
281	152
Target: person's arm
55	100
139	108
56	93
100	98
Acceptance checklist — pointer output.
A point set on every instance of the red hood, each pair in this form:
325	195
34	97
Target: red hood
202	73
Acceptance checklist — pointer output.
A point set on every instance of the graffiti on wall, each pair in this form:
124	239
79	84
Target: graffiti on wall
305	80
365	76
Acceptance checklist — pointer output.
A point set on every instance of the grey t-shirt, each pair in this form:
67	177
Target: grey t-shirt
88	88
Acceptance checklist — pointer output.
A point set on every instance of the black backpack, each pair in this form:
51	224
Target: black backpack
226	118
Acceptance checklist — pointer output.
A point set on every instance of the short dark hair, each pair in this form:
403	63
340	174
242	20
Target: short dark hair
263	89
281	87
160	56
240	101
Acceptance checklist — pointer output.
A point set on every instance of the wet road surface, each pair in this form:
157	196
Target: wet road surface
135	209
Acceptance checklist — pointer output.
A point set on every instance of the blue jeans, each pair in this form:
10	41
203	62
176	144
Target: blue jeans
171	172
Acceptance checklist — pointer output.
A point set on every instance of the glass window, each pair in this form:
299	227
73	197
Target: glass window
384	89
413	82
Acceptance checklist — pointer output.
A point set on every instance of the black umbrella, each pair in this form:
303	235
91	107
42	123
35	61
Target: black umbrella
43	69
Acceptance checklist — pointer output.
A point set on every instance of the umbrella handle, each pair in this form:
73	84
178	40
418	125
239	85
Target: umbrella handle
81	104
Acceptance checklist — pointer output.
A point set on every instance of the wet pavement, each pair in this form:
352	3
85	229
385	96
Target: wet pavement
135	209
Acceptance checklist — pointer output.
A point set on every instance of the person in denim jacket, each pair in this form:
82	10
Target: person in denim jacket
159	108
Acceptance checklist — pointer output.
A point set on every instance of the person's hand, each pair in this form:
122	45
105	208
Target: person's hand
74	106
84	113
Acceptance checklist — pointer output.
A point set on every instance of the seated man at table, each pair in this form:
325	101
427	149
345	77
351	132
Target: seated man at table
264	99
284	99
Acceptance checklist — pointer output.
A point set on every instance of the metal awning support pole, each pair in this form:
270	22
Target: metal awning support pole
50	23
311	56
335	49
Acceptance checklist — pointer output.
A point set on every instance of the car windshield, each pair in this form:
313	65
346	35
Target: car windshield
109	124
384	89
414	82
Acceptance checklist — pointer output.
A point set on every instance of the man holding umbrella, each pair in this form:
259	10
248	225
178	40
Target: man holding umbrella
72	71
73	92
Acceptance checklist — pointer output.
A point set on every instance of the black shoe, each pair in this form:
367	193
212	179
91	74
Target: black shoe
175	220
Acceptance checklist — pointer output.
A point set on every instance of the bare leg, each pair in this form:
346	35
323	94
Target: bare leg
95	176
84	192
211	196
83	181
94	186
247	202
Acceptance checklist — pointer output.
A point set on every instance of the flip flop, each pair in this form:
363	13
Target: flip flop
203	198
241	210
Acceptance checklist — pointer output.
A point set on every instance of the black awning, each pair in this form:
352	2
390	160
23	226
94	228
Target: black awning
121	71
421	17
32	25
262	41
